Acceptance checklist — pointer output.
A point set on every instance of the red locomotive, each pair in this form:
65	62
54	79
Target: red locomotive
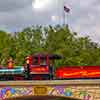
40	66
37	67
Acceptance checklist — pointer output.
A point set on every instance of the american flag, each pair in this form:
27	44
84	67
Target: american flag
66	9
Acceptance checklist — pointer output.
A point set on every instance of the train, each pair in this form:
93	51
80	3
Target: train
41	67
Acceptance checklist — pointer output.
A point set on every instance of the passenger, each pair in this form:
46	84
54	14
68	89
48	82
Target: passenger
10	63
51	71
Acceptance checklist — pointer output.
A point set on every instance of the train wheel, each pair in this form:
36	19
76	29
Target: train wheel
46	77
18	78
2	79
51	76
37	77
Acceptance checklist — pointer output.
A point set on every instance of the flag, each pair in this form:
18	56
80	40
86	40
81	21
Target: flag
66	9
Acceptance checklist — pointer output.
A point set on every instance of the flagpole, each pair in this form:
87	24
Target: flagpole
63	14
65	10
64	18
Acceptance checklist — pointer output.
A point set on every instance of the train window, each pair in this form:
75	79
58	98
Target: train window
35	62
43	62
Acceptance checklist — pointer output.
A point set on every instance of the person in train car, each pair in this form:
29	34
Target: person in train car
51	70
34	61
10	63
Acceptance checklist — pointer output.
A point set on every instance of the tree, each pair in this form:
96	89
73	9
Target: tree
76	51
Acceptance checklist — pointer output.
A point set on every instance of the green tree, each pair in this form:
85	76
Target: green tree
76	51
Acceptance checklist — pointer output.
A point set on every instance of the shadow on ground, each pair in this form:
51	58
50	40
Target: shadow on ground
42	98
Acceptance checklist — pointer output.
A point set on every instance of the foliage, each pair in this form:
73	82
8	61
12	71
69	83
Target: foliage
56	40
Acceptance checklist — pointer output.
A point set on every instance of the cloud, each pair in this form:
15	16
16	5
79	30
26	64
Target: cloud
83	17
23	15
11	5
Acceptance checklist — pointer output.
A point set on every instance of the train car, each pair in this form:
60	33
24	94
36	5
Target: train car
39	66
78	72
12	74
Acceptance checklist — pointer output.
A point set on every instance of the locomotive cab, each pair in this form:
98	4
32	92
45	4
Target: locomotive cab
40	66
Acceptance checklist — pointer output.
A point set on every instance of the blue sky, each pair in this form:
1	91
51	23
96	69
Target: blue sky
83	17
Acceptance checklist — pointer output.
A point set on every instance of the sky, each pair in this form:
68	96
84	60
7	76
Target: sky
83	17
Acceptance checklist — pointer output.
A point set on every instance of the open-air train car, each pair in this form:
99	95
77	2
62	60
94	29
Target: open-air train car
78	72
